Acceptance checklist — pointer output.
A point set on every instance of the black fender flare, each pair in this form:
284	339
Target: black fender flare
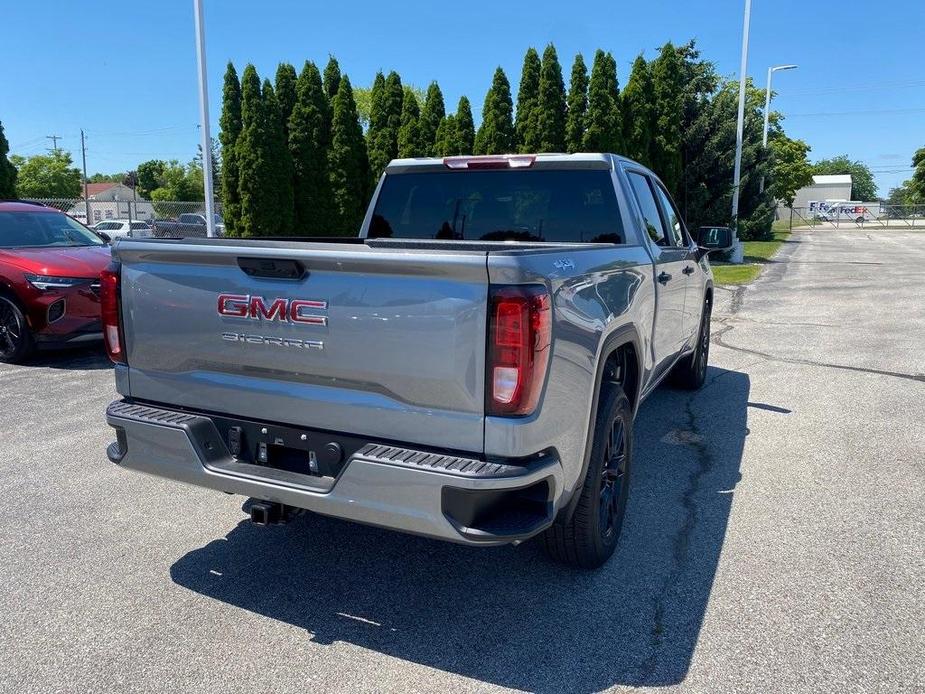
624	335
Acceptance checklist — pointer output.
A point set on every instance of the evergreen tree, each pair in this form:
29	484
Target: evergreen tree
602	127
392	104
577	106
446	143
230	124
309	147
496	133
331	78
280	164
349	163
386	99
525	122
7	170
433	112
376	137
254	151
285	93
638	114
409	133
465	128
550	105
667	90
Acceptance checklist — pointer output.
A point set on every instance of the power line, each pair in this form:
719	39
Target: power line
855	113
877	86
54	142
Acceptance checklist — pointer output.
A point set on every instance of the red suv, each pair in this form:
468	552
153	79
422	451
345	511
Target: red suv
50	268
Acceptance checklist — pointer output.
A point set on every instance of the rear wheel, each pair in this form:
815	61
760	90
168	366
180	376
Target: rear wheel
15	338
590	537
691	371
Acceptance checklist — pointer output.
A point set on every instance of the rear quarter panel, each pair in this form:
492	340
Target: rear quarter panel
596	292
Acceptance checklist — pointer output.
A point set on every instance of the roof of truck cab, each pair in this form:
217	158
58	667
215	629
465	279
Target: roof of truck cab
581	160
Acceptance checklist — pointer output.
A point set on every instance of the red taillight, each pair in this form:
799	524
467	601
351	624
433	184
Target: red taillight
518	349
109	310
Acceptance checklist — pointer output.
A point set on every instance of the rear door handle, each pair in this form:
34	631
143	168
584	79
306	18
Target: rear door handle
688	270
664	278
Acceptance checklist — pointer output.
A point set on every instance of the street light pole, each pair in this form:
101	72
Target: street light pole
740	126
204	119
767	109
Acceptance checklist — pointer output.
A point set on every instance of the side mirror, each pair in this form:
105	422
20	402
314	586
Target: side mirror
712	239
103	235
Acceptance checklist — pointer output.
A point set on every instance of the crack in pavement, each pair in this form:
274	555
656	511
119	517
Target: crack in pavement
698	442
718	338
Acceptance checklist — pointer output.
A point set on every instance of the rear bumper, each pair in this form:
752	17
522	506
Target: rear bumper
460	499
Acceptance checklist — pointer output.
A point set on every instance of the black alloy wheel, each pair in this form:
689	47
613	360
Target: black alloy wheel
613	480
15	340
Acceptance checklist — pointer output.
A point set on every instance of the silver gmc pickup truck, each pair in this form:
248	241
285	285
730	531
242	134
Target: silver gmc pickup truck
467	368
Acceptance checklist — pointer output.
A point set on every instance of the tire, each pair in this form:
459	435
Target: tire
15	339
590	537
691	371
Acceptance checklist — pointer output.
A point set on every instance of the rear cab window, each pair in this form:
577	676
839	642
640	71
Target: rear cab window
554	205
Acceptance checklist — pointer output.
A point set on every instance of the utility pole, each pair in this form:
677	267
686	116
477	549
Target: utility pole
204	118
740	126
83	156
54	142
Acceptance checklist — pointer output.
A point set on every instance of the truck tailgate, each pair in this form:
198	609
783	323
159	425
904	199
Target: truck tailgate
380	342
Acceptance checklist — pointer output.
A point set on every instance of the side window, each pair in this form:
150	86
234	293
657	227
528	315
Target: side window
675	228
649	207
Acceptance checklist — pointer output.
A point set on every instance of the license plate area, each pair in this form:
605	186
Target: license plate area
303	451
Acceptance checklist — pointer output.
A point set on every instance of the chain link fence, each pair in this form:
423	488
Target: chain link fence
856	216
164	218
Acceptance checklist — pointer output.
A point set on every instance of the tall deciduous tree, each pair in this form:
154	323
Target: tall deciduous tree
331	78
349	163
602	131
638	114
790	170
465	128
577	106
496	133
526	129
667	90
230	124
550	105
433	112
285	93
150	174
917	182
309	147
7	170
47	176
862	180
409	134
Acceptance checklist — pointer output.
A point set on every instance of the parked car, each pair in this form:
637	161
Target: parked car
50	267
467	369
113	229
186	225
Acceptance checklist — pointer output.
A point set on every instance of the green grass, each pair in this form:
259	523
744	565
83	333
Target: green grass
735	274
755	253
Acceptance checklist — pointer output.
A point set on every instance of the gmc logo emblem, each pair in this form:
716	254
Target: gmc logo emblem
279	309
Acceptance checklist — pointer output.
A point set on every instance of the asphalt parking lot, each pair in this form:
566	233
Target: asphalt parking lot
774	540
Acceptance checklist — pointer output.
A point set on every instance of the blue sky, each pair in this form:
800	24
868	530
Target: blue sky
125	72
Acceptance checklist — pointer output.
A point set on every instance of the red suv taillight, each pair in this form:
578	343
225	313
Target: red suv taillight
520	327
109	306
